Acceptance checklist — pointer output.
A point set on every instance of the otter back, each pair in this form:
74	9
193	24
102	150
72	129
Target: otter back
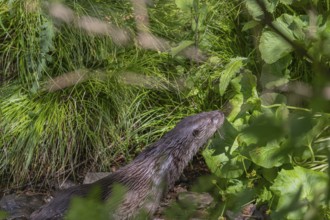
150	175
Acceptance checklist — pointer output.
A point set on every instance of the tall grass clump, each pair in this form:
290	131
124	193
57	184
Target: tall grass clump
128	97
54	134
23	29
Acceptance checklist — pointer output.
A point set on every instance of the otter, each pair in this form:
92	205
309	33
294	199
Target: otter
150	175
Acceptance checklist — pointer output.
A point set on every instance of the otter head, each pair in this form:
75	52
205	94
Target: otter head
200	127
178	146
192	132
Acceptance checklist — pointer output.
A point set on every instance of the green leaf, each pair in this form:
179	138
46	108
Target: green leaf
297	189
236	103
273	47
264	196
276	74
272	98
282	113
225	165
235	202
246	97
230	71
294	27
300	124
234	186
182	45
263	130
321	125
3	215
254	9
249	25
227	138
87	208
269	156
270	174
184	5
92	207
256	12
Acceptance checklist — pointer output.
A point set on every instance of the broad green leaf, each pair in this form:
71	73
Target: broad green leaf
227	138
282	23
270	174
254	9
224	165
184	5
300	124
246	84
276	74
292	26
230	71
263	130
256	12
246	97
282	113
298	187
264	196
273	47
237	201
272	98
182	45
269	156
236	102
234	186
271	81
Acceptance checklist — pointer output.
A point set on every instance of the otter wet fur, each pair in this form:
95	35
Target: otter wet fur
150	175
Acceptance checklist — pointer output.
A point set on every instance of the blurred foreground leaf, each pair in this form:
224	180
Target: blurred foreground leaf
225	165
303	185
92	207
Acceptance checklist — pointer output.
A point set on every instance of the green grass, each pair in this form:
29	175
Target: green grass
47	135
131	96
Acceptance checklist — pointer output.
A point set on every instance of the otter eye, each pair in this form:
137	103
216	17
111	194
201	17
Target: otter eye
195	132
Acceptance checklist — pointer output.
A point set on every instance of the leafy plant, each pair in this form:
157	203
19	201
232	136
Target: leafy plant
92	207
3	215
267	60
269	151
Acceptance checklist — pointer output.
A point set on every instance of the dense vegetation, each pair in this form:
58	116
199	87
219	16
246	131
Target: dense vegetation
74	98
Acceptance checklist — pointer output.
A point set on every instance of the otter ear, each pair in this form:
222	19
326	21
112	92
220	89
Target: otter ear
195	132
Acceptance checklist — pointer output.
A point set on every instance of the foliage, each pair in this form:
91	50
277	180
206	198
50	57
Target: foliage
269	146
92	207
266	59
3	215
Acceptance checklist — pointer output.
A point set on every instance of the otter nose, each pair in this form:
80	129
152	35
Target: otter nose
217	118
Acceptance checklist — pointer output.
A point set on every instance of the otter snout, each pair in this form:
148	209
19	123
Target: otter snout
217	118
